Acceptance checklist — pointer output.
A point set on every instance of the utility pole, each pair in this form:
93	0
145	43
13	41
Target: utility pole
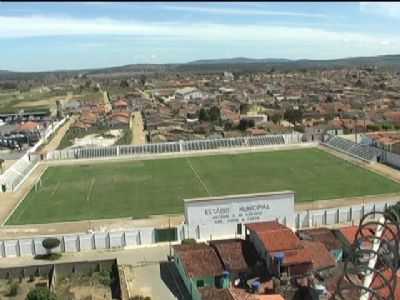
169	235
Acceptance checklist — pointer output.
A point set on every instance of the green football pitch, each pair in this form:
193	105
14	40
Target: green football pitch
151	187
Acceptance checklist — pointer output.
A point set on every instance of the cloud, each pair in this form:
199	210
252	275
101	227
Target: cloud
37	26
387	9
242	12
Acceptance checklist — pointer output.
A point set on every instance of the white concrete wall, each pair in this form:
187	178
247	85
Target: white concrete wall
145	236
14	176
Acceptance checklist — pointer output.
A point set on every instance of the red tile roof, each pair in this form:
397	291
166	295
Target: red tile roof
320	256
120	103
323	235
275	236
350	233
28	126
296	257
239	294
379	285
232	254
212	293
199	260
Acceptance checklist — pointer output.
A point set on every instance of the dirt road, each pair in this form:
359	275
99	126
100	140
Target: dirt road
137	128
56	140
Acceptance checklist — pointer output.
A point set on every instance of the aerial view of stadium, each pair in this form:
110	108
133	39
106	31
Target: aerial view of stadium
152	187
199	151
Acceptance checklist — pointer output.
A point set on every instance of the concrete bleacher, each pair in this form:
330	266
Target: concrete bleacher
360	151
176	147
13	176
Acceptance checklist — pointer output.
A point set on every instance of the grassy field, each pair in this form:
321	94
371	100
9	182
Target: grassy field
142	188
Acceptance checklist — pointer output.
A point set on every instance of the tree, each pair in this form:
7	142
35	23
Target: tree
244	108
246	123
40	293
143	79
214	114
293	115
124	84
329	99
50	243
276	118
203	115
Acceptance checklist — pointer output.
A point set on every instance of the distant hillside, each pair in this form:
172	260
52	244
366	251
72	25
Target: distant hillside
219	65
239	60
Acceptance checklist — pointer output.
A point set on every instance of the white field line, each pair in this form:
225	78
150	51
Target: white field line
198	176
90	189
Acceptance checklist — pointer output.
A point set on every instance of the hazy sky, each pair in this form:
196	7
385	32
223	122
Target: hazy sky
48	36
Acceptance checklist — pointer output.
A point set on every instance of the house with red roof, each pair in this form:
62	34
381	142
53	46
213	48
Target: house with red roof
28	126
283	252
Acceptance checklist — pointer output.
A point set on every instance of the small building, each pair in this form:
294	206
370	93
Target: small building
199	267
389	141
279	248
120	105
347	236
120	119
237	256
28	126
326	237
187	94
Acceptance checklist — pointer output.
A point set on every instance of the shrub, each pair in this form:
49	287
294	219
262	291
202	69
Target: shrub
189	242
51	243
49	256
104	278
137	297
40	293
13	289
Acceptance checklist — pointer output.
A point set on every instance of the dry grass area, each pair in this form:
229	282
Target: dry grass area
83	287
23	287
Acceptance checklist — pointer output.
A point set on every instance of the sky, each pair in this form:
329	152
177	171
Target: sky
70	35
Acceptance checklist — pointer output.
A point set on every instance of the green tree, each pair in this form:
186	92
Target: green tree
276	118
203	115
51	243
143	79
40	293
124	84
294	116
245	123
215	114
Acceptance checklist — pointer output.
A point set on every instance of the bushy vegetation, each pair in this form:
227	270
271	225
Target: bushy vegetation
126	137
40	293
188	242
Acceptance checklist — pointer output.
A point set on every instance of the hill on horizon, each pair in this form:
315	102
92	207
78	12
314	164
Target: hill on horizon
228	64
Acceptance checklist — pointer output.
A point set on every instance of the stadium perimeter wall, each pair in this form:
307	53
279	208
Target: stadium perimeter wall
15	176
146	236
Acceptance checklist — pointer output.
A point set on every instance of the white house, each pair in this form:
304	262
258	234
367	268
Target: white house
188	93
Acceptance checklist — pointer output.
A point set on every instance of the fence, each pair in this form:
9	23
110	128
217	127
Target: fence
176	147
147	236
14	176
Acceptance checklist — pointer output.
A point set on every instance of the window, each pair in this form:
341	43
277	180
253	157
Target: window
239	229
200	283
